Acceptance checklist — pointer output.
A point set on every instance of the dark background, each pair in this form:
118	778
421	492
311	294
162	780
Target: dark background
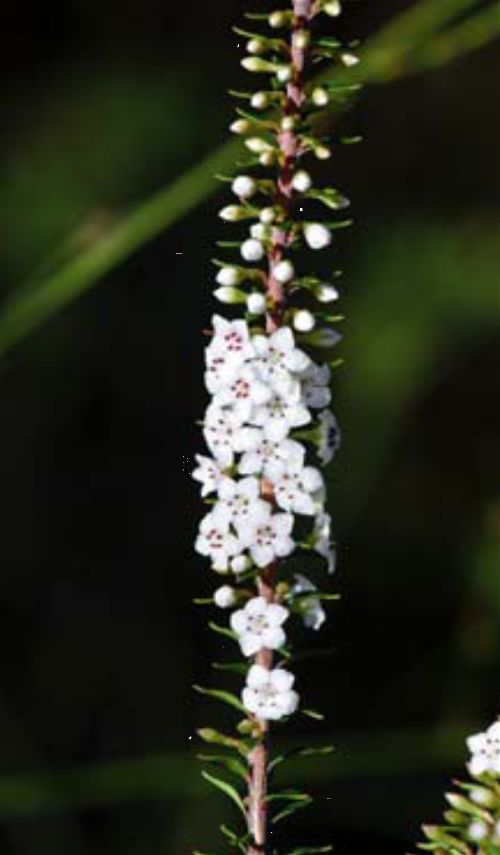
105	102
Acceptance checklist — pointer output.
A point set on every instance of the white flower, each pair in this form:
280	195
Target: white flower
322	539
320	96
256	303
283	271
216	541
252	250
232	338
221	429
241	500
297	487
262	456
302	181
245	391
244	186
225	597
304	321
280	414
326	293
485	750
228	276
317	236
209	474
269	694
278	357
259	101
267	536
258	625
316	386
313	613
328	436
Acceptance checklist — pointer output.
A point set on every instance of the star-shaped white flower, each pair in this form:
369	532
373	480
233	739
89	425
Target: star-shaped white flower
267	536
485	751
297	488
216	541
243	391
278	357
261	455
322	539
241	500
209	474
278	416
328	436
221	432
259	625
313	613
269	694
231	337
315	386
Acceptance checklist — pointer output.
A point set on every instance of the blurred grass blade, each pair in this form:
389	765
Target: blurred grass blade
388	55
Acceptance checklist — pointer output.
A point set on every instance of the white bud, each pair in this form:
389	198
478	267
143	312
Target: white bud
320	96
232	213
284	73
228	276
240	126
252	250
283	271
302	181
267	158
322	152
255	63
229	295
477	830
304	321
256	303
256	46
240	564
326	293
301	39
317	236
257	145
288	123
260	101
349	59
267	216
244	186
332	8
225	597
277	20
259	231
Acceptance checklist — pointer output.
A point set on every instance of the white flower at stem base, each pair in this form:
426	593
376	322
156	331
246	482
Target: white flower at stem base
229	276
327	436
259	625
215	540
304	321
240	500
262	456
244	186
302	181
209	474
313	613
283	271
269	694
225	597
296	487
252	250
322	540
221	432
244	392
317	236
256	303
230	296
267	536
485	751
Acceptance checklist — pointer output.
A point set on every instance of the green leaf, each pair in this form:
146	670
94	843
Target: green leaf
291	808
313	714
203	601
223	630
329	197
288	795
310	850
299	751
215	737
225	788
220	695
230	763
241	841
234	667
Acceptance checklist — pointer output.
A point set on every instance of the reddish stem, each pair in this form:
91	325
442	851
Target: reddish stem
276	294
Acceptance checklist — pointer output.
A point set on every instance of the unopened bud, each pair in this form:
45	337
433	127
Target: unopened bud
320	96
233	213
302	181
304	321
228	276
284	73
260	101
252	250
267	158
229	296
301	39
267	216
326	293
349	59
256	304
244	186
283	271
240	126
322	152
257	145
332	8
256	46
288	123
225	597
278	19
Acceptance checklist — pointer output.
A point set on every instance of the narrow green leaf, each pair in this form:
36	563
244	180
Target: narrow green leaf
310	850
223	630
235	667
289	809
288	796
313	714
215	737
220	695
230	763
225	788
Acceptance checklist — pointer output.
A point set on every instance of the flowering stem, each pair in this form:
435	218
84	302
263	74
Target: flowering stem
276	296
